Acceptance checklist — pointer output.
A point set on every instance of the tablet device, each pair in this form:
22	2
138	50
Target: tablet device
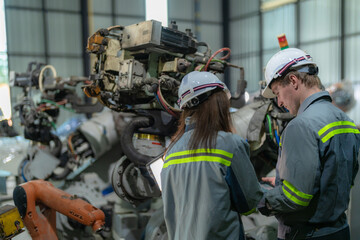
154	167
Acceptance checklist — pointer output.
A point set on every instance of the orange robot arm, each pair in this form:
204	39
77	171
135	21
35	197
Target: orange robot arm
42	225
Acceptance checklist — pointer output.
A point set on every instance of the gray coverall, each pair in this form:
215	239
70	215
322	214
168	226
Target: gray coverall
204	193
316	167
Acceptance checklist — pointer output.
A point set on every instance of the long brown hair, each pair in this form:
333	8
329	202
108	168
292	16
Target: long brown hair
209	118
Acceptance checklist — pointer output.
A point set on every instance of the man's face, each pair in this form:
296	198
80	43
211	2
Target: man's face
286	97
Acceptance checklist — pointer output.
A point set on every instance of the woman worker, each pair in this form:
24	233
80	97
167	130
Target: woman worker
207	177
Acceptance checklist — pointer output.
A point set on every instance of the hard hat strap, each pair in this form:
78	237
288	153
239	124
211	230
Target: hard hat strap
309	69
284	69
195	89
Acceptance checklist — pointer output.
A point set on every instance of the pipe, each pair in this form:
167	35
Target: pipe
126	140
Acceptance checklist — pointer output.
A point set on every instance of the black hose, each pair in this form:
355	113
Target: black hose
126	140
56	151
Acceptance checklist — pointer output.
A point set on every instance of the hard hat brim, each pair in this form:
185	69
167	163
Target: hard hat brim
268	93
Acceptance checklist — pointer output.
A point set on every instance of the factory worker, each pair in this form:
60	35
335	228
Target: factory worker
207	178
317	160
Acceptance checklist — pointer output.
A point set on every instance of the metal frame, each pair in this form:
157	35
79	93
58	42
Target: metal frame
226	34
84	36
46	39
342	40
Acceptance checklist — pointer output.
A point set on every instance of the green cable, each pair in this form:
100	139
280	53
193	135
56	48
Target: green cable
58	105
269	122
53	125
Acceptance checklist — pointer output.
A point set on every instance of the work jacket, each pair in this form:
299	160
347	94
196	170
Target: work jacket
316	167
204	191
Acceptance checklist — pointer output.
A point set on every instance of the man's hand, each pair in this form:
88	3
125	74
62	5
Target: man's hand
270	180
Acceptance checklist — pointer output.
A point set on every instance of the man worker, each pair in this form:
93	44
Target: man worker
317	160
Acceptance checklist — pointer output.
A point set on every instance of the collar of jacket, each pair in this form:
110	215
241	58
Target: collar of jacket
313	98
189	125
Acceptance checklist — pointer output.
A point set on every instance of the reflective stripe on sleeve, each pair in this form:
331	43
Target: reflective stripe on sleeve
295	195
335	128
199	155
249	212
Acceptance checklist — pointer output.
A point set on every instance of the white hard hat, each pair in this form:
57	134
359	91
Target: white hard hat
195	84
281	62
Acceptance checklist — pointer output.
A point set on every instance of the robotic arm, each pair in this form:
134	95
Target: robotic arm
42	225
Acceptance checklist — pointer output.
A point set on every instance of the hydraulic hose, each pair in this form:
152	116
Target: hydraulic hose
126	140
56	151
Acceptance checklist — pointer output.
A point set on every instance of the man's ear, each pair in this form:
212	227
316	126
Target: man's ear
294	81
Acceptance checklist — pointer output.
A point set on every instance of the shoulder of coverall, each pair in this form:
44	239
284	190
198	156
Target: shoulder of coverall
316	96
225	141
308	122
225	138
314	114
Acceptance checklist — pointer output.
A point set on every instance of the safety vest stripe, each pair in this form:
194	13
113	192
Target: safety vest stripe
331	125
280	141
198	154
294	199
295	195
336	127
249	212
198	159
201	150
339	131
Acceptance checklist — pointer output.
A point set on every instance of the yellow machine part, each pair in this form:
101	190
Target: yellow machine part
10	222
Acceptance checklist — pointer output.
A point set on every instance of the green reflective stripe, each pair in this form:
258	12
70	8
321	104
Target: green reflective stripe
198	155
249	212
339	123
298	197
197	159
201	150
339	131
294	199
280	142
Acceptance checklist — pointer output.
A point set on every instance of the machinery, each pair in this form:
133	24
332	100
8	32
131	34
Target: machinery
342	94
62	156
41	223
141	66
10	222
47	152
40	118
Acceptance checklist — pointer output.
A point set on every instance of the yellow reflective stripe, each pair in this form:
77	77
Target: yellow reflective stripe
304	196
201	150
339	123
339	131
198	159
280	141
294	199
249	212
297	192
